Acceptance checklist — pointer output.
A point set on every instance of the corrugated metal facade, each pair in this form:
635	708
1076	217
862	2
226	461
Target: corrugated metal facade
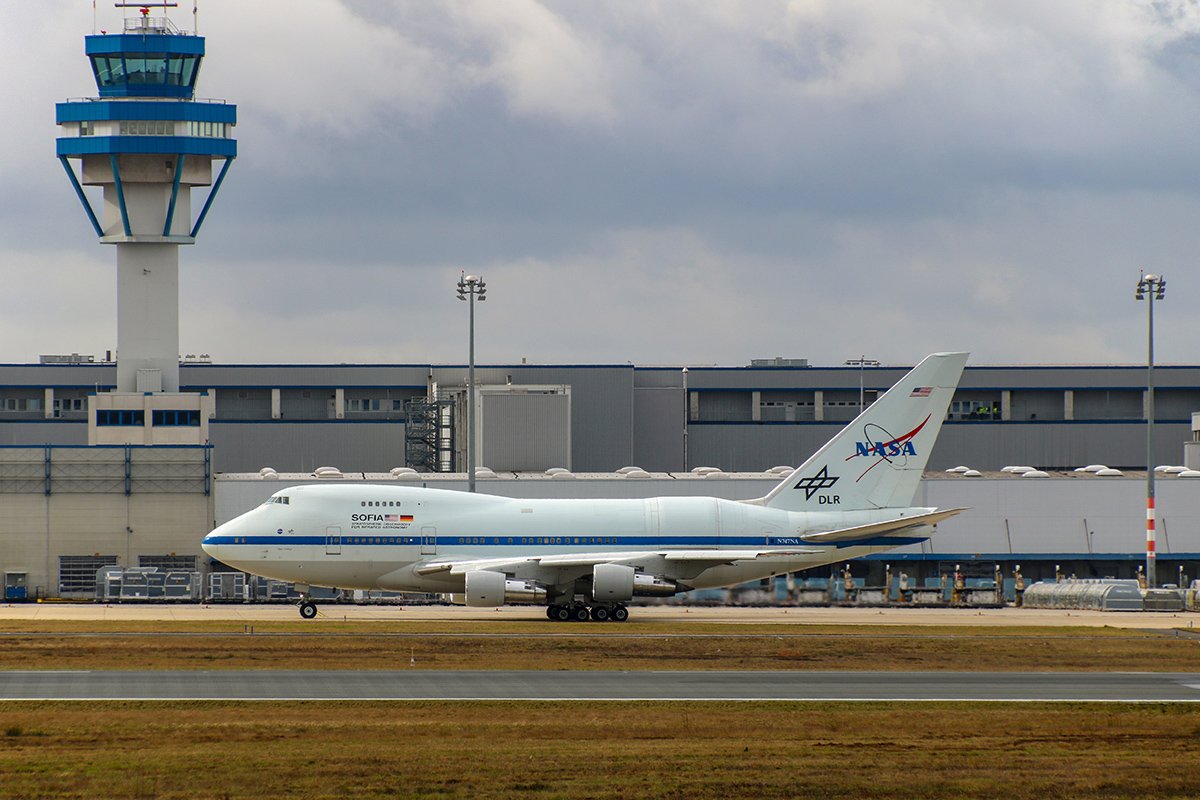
526	431
742	418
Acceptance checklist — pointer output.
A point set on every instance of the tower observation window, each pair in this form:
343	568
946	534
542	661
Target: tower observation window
145	69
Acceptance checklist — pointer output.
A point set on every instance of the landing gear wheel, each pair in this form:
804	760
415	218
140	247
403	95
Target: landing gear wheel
600	614
580	613
552	612
561	613
308	609
619	614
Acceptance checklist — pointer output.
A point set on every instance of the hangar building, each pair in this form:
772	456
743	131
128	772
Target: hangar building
70	508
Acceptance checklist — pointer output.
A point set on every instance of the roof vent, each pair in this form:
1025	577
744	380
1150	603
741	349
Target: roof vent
555	471
1109	473
959	469
716	474
635	473
1017	470
1190	473
782	469
972	473
484	472
563	475
704	470
627	470
396	472
327	472
1092	468
1175	470
1034	473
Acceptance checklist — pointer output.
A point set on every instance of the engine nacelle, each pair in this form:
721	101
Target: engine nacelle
486	589
618	583
612	583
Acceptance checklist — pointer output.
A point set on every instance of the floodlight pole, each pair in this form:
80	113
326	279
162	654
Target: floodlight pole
861	362
470	286
687	417
1150	288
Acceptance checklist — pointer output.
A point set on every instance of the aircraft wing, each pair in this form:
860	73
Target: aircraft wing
710	556
891	527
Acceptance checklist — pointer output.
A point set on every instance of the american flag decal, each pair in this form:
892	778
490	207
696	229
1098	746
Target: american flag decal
391	518
921	391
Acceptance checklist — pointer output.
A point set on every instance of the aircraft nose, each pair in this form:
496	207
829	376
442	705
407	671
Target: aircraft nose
211	542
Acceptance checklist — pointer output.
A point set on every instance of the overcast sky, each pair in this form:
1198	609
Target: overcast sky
651	181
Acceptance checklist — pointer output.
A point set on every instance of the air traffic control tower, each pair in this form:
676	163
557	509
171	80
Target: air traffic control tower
147	141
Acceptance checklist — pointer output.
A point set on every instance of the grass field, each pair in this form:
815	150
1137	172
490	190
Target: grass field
586	750
530	645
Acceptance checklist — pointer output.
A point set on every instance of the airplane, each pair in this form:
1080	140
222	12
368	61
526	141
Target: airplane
587	559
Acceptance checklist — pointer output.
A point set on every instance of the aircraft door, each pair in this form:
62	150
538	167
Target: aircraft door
429	541
333	541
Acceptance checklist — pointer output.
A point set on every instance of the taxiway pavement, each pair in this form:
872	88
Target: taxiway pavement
248	613
574	685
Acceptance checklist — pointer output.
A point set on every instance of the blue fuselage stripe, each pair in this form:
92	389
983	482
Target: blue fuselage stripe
382	540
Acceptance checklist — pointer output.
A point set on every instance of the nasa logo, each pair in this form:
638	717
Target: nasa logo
882	446
889	449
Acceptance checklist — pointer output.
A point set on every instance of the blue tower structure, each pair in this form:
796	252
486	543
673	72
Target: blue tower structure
147	141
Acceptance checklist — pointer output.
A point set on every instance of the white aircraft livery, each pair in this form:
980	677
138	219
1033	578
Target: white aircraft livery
585	559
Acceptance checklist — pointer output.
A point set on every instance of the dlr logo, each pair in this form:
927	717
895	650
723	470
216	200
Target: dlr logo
828	500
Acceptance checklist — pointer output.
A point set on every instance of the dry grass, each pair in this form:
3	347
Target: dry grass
530	645
584	750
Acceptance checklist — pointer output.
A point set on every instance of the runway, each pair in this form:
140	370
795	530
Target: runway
566	685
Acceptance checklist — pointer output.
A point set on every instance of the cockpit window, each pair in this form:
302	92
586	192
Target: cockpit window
282	500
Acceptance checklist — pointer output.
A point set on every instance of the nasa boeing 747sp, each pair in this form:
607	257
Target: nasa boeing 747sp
587	558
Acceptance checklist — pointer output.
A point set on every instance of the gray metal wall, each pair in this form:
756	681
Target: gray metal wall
302	447
658	428
526	431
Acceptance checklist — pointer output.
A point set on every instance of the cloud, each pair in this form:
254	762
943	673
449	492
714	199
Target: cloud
653	181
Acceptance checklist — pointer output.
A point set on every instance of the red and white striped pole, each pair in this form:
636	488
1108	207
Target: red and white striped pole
1150	288
1150	532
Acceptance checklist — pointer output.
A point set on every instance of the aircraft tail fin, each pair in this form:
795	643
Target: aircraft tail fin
877	460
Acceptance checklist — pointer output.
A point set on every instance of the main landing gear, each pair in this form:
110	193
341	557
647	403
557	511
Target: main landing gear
578	612
308	609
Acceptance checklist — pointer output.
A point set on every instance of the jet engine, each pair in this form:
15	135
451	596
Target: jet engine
618	583
487	589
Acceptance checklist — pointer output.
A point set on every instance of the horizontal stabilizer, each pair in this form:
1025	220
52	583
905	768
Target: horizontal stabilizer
891	527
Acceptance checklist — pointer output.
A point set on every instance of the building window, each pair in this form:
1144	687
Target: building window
120	417
63	404
177	418
209	130
146	127
362	404
21	404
